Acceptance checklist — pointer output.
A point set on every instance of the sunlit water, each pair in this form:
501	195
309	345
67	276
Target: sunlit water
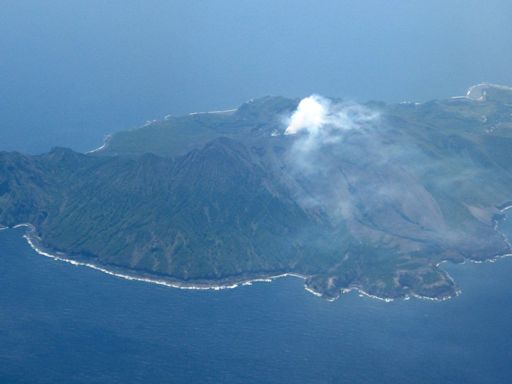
66	324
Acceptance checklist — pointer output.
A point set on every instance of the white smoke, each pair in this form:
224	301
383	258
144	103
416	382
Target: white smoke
322	122
311	115
323	138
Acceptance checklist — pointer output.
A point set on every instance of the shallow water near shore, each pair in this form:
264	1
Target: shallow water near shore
61	323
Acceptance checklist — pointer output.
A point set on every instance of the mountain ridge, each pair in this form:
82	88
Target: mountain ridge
375	208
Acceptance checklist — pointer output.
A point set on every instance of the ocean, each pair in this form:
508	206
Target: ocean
61	323
72	72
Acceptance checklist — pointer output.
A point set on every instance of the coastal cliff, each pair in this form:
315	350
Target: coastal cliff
374	199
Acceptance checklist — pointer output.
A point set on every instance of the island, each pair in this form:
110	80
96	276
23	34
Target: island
370	197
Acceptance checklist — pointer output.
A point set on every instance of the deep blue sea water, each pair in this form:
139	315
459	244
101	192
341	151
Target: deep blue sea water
66	324
73	71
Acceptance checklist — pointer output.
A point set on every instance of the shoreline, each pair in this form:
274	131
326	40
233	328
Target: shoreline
198	287
208	286
171	283
495	258
32	242
109	136
213	112
106	140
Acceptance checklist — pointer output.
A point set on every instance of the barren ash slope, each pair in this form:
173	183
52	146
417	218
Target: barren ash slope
370	197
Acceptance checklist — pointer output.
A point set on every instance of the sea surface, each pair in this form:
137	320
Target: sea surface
65	324
73	71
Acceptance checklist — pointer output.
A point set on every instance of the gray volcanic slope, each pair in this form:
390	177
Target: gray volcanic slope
373	197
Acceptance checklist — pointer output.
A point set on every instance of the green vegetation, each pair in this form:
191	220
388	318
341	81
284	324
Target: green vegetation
223	197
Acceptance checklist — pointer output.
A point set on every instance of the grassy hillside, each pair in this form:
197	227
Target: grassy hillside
211	198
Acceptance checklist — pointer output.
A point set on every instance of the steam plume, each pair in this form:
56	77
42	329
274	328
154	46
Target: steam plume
322	121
